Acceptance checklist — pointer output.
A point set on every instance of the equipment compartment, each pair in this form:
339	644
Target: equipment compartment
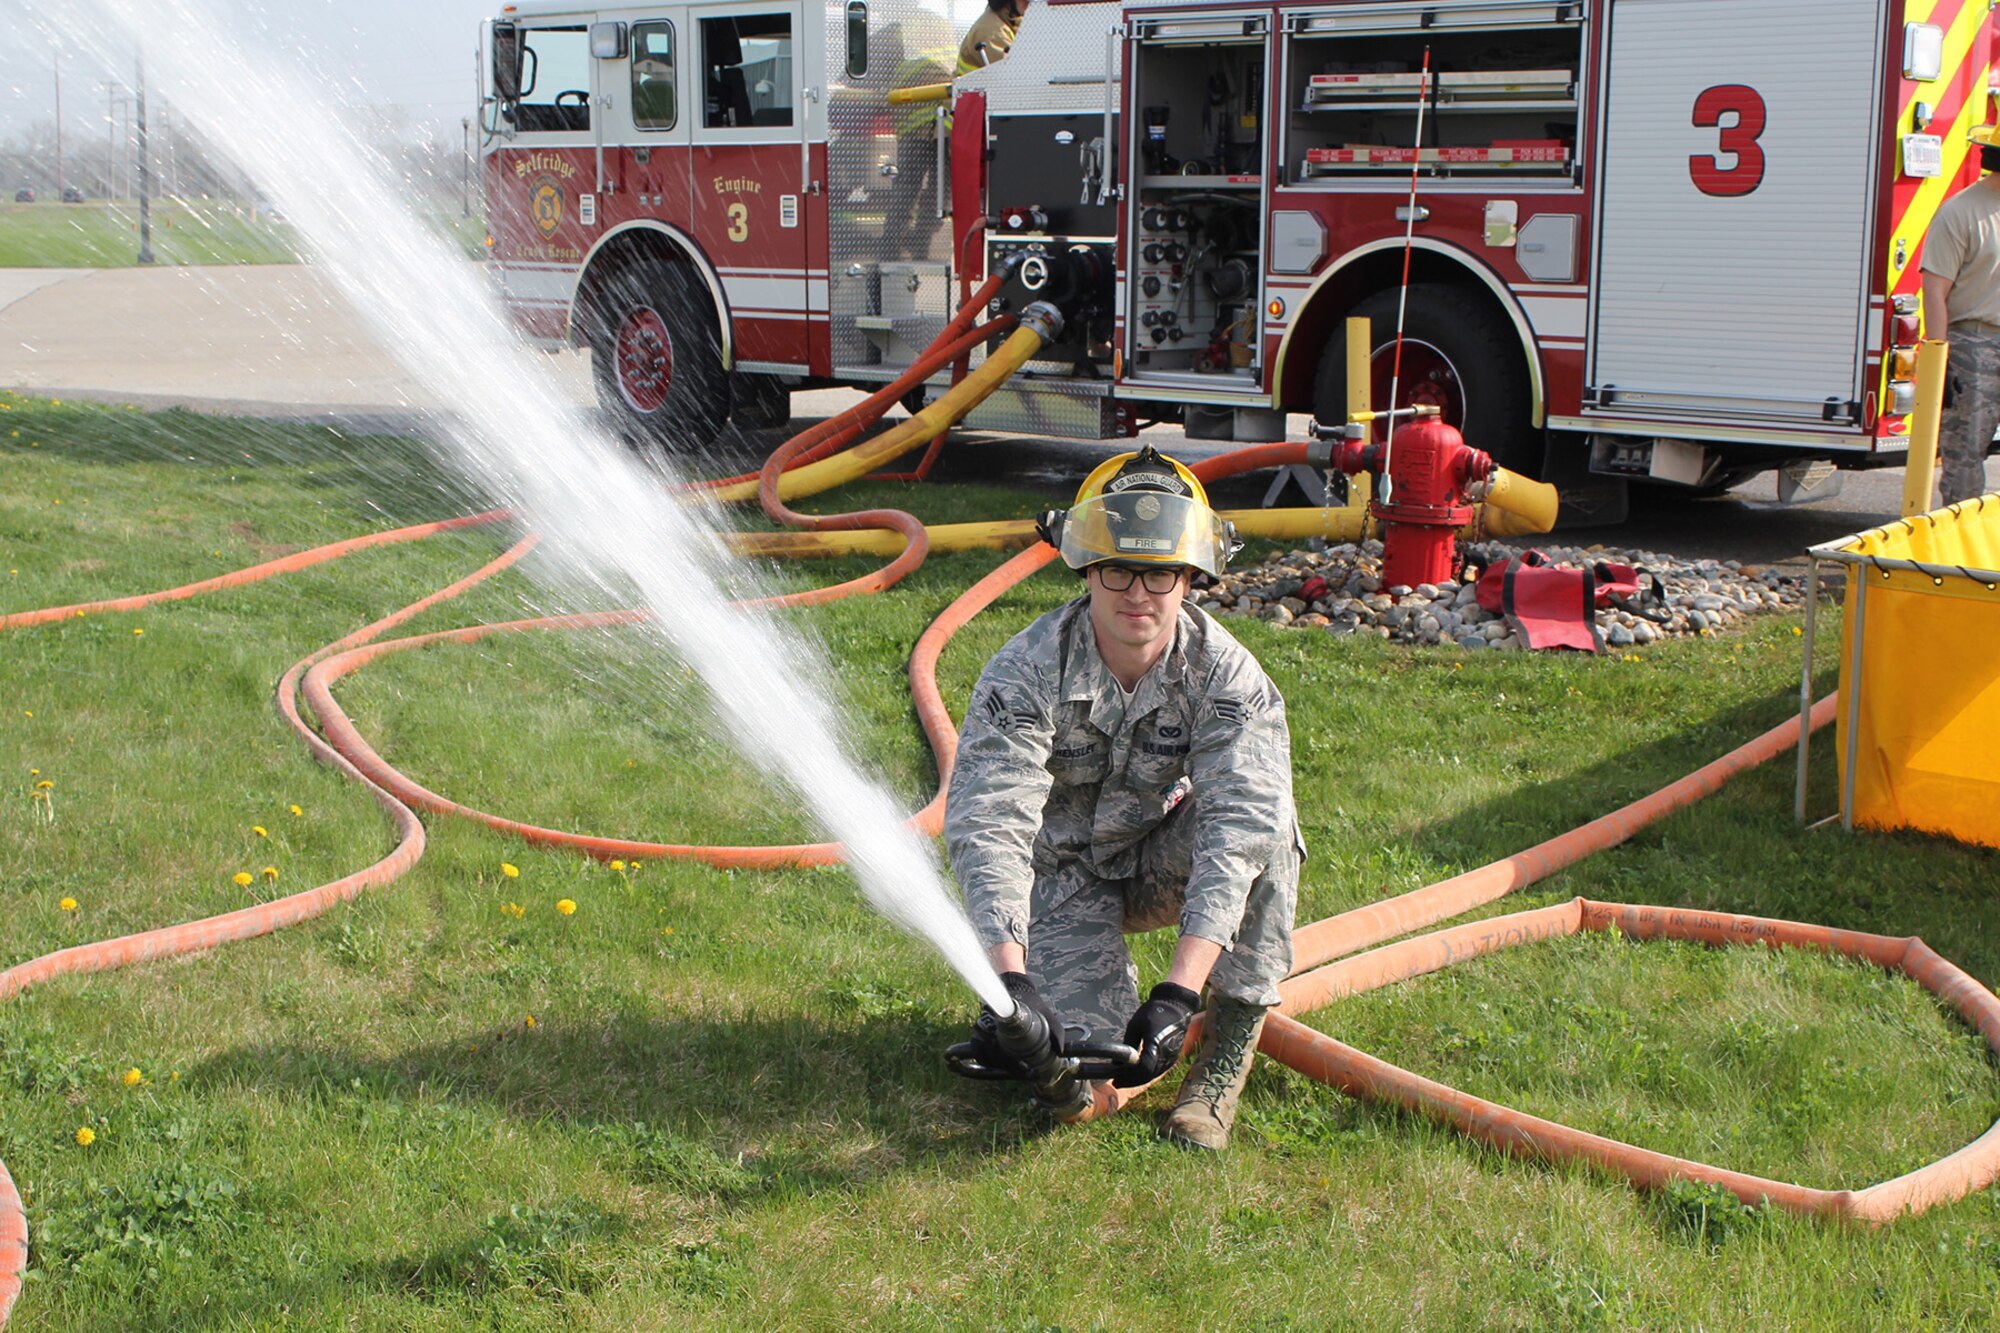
1194	247
1500	102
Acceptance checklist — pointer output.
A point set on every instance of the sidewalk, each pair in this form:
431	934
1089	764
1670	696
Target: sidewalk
268	340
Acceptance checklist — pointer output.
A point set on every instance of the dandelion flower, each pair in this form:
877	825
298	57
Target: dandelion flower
44	784
34	772
174	1077
138	632
666	930
1797	630
243	878
514	910
567	907
259	830
67	904
530	1022
618	865
85	1136
297	811
133	1078
270	872
510	870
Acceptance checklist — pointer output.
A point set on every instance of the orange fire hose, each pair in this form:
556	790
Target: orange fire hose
1362	926
351	753
283	565
1972	1167
829	436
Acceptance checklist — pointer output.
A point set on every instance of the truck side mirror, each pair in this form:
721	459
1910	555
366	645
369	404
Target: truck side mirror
507	62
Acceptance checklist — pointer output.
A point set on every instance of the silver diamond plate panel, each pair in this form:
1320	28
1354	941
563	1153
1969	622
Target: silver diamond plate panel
1058	409
882	185
1057	62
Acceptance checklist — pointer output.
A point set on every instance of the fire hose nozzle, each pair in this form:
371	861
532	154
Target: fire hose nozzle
1024	1035
1061	1082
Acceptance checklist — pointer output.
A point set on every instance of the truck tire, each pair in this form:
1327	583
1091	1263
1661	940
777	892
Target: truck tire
1459	354
656	356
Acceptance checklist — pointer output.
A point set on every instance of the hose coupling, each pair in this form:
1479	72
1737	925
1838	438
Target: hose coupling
1044	319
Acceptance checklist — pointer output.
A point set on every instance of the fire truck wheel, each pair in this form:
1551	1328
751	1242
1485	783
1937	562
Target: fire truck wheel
656	356
1459	354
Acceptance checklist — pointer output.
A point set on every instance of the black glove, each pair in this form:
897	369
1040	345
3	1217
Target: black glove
1156	1032
986	1028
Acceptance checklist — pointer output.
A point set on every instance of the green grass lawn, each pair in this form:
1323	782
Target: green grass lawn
105	234
729	1109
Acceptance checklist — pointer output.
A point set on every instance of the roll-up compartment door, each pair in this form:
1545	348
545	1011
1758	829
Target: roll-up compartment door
1737	175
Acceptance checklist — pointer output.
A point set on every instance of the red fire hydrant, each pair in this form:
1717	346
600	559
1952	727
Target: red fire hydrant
1430	470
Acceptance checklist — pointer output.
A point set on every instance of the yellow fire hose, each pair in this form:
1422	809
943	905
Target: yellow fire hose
1039	325
1514	507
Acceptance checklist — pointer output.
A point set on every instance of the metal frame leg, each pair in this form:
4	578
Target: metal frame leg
1805	693
1853	700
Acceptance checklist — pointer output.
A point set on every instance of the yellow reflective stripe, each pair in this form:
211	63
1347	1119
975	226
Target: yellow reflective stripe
1922	209
1957	44
1923	206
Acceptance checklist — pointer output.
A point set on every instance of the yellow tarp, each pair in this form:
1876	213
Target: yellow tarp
1927	742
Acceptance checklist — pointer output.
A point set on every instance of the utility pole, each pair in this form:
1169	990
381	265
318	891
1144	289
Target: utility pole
110	140
59	170
145	177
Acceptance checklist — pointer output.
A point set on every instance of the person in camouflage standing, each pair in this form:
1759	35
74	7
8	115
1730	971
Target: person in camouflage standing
1125	766
1961	285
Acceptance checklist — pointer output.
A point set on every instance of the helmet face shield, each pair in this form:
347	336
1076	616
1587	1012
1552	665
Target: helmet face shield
1146	527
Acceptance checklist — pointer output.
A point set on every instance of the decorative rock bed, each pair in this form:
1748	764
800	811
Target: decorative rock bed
1700	596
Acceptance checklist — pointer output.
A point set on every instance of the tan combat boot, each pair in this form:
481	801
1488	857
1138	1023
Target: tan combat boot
1206	1108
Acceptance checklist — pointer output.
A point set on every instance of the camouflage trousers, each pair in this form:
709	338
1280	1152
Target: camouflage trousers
1077	923
1971	413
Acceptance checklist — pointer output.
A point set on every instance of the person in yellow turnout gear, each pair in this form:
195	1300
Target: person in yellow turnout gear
991	35
1125	765
921	46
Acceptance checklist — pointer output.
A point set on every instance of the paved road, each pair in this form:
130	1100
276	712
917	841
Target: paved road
274	341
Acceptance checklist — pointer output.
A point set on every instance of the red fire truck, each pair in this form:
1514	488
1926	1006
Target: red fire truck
1667	239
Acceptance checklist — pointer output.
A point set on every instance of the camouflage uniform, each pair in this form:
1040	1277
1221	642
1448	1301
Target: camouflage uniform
1971	410
1963	248
1074	817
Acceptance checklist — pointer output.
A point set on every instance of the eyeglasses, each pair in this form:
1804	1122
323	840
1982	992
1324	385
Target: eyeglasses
1118	578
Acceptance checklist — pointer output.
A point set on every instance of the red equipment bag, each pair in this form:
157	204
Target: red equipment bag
1547	605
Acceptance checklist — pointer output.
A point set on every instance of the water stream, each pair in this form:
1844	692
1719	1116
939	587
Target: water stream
609	524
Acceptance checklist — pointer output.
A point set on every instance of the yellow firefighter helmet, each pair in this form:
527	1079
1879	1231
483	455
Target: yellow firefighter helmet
1986	139
1142	508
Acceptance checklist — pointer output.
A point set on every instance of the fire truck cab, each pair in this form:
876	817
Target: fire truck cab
1667	239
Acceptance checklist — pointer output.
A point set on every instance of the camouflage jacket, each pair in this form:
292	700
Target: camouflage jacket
1054	767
